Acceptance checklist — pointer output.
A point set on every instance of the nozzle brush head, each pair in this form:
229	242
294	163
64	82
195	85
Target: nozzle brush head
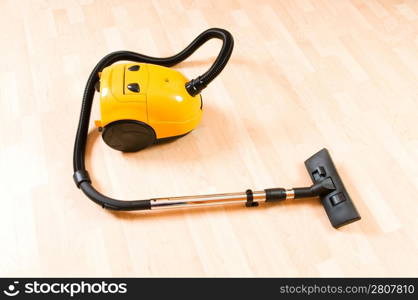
337	203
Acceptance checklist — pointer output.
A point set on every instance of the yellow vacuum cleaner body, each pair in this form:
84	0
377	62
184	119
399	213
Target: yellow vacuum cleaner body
143	103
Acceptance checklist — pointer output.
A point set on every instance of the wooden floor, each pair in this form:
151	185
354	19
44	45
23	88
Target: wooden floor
304	75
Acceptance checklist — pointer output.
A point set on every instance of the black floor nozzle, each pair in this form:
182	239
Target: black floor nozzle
337	203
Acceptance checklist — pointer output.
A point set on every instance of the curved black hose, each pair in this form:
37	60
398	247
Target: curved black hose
194	87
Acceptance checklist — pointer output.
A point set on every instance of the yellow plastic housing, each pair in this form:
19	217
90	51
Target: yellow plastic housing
162	101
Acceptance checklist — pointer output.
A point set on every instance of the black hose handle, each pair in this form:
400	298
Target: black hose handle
194	87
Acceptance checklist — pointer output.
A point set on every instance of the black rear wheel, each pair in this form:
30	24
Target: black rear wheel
128	135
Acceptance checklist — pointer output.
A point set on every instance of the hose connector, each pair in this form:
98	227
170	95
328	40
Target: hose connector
81	176
195	86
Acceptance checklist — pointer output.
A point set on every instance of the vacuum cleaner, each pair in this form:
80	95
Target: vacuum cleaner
143	102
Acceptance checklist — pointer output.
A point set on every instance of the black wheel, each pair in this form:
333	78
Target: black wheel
128	135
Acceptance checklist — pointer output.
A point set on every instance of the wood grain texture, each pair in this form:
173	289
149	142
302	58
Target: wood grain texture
304	75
